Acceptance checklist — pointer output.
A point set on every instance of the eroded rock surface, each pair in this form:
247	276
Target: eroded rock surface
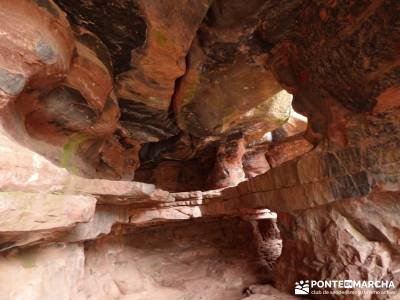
190	96
41	215
349	239
52	272
192	261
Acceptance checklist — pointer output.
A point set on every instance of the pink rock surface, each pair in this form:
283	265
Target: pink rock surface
191	91
52	272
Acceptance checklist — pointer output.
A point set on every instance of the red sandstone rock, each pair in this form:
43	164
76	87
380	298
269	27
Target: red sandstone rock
336	195
27	218
349	239
37	49
286	151
220	74
191	261
228	169
52	272
155	68
389	99
255	163
26	171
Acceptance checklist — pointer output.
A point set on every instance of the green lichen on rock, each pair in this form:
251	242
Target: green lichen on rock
161	38
27	259
70	149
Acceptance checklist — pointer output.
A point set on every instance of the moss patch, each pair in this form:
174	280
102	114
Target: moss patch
70	149
161	38
27	259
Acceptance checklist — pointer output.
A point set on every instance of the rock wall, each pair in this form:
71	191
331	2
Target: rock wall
349	231
336	205
196	98
67	237
212	259
200	260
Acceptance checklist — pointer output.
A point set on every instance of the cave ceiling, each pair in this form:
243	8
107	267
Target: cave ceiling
135	83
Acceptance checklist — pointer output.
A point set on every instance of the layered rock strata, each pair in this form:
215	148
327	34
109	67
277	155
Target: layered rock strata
195	89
